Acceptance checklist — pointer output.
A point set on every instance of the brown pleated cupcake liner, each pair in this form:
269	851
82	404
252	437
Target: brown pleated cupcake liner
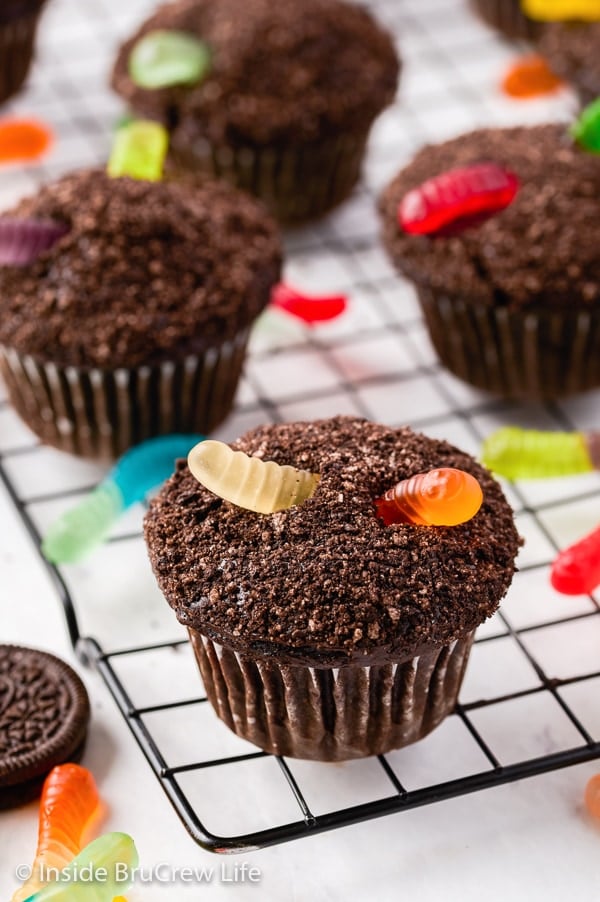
331	714
100	413
518	354
296	183
586	93
17	38
507	17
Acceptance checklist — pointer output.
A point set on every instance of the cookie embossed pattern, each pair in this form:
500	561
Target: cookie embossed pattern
528	703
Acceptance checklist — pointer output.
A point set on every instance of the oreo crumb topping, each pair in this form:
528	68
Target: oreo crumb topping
326	583
146	272
540	250
281	72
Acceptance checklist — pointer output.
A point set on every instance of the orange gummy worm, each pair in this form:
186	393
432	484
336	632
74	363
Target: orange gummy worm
69	801
23	140
592	796
443	497
530	77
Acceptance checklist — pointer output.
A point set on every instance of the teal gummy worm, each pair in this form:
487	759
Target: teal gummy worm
141	469
530	454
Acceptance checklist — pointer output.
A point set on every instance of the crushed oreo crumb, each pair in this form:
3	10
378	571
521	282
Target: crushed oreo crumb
44	714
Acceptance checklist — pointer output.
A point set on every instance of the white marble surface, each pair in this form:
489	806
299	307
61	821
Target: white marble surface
526	841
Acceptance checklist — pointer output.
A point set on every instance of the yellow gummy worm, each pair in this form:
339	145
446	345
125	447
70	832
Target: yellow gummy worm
561	10
251	483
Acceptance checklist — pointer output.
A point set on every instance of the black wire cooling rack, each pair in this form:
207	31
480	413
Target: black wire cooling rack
375	362
400	797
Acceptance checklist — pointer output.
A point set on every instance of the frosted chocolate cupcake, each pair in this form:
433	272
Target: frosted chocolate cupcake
135	322
286	106
18	26
573	52
508	17
512	303
320	632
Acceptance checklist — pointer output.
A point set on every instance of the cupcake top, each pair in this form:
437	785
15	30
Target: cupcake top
541	249
573	51
145	270
326	582
280	71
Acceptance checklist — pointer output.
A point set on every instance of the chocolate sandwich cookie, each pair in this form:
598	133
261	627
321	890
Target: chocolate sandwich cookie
44	715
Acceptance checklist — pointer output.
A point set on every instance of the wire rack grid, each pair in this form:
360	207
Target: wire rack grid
528	704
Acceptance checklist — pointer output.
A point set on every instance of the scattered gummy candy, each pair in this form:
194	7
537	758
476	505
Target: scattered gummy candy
113	856
530	77
309	309
586	129
23	140
23	240
592	796
249	482
140	470
139	151
561	10
531	454
457	199
576	571
163	58
443	497
68	803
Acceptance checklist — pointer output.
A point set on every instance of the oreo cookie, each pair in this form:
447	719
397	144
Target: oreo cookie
44	716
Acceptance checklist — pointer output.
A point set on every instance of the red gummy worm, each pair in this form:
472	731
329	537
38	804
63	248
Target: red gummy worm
457	199
308	309
576	571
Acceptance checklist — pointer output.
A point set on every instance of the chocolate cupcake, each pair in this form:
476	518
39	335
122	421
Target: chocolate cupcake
319	631
508	17
18	26
512	303
135	322
287	104
572	50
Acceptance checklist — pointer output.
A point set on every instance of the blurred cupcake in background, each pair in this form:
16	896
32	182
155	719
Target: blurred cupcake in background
18	26
277	98
132	321
499	230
